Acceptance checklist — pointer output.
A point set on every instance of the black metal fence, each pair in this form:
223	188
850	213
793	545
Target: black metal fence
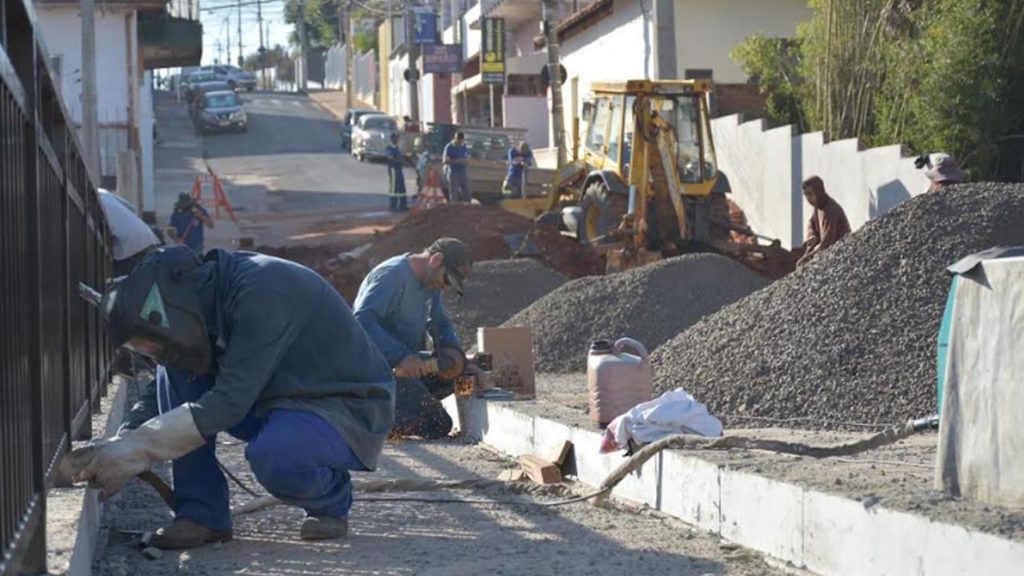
54	356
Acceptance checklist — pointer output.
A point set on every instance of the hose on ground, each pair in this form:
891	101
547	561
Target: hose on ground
635	461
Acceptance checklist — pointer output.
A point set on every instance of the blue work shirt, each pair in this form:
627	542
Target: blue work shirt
285	339
515	171
395	158
455	151
397	311
189	228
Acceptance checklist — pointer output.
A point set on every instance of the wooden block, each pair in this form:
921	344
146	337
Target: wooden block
557	453
512	475
511	349
540	470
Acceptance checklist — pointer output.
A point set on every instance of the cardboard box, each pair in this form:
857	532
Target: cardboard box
512	357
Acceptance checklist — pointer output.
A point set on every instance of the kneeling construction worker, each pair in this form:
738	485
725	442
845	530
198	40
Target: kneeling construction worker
264	349
399	303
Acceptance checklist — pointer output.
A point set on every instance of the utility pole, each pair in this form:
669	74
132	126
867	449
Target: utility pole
227	31
220	52
302	46
554	77
90	123
241	54
262	49
414	74
348	23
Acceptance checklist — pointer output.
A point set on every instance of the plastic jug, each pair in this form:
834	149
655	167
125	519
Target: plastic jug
617	380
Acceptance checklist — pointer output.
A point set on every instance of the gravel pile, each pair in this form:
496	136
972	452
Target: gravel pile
651	304
851	337
495	291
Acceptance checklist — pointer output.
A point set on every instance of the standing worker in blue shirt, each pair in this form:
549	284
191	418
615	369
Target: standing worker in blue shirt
188	220
396	180
399	303
263	349
519	159
456	165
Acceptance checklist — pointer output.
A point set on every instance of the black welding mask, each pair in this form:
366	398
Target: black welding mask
158	303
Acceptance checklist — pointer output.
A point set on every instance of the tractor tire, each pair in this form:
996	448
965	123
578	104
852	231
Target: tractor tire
601	212
719	209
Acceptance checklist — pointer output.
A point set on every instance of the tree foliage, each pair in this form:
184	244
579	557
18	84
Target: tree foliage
934	75
321	17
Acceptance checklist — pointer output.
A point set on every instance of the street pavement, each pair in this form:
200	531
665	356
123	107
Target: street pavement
285	177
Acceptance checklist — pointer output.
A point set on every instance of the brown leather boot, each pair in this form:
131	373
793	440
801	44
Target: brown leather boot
323	528
184	533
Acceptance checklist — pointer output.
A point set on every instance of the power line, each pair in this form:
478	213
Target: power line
236	5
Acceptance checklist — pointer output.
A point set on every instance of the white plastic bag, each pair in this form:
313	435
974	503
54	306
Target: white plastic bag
674	412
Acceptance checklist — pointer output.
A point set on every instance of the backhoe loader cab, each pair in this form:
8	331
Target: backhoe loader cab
650	165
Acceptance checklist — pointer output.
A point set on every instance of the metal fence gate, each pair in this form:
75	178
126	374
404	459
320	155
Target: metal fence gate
54	353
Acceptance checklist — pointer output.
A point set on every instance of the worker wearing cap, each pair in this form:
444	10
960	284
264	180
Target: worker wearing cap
943	170
264	349
827	224
399	303
187	222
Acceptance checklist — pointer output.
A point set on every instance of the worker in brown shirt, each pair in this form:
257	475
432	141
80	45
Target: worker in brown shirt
828	223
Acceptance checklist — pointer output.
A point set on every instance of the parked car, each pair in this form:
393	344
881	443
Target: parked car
371	136
221	110
241	79
202	88
196	78
348	122
238	79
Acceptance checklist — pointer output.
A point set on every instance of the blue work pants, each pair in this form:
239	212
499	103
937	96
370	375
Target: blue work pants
299	457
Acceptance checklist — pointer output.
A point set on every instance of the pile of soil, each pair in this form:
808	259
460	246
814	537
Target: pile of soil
492	234
495	291
850	337
651	304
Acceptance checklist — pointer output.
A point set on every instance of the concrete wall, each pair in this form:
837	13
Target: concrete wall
116	54
619	47
765	169
707	30
530	113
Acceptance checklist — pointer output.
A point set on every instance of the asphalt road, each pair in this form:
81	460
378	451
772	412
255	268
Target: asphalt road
291	160
284	177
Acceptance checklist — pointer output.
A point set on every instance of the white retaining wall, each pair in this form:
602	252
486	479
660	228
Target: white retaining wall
766	167
364	71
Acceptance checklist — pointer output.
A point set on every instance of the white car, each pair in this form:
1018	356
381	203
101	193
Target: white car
371	136
238	79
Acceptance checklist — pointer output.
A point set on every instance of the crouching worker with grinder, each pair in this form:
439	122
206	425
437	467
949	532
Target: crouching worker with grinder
399	303
263	349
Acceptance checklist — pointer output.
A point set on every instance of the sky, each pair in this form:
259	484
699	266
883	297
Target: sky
215	19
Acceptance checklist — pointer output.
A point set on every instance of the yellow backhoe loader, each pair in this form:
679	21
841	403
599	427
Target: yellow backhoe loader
643	181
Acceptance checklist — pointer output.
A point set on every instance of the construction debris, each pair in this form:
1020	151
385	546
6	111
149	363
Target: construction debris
491	233
651	304
495	291
540	470
851	337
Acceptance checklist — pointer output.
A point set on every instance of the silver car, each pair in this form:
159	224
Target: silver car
371	136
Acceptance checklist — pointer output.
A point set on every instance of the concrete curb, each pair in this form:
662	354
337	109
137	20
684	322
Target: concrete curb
823	533
73	525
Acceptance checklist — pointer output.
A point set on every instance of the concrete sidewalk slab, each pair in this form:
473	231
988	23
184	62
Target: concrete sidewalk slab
73	513
810	529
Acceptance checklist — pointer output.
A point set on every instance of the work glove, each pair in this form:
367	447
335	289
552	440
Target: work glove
110	463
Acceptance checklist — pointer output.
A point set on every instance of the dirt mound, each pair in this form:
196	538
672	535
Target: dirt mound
651	304
482	227
851	337
495	291
492	234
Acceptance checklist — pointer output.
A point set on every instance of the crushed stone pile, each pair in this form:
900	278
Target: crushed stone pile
495	291
850	337
651	304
